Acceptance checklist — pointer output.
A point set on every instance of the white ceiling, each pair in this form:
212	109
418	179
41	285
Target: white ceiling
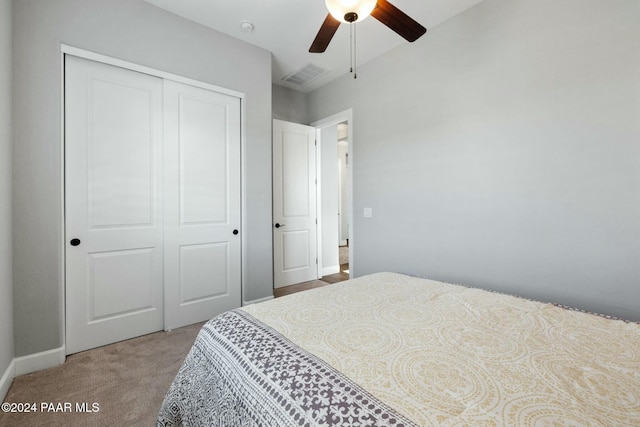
286	28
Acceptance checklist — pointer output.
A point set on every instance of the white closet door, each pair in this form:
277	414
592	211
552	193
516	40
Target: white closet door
113	204
202	204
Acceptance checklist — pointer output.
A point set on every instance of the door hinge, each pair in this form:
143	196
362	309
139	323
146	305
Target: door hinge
316	260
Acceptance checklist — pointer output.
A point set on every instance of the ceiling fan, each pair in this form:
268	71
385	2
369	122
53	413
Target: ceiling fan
350	11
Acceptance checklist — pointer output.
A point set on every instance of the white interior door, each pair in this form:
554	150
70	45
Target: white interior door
202	204
113	204
294	203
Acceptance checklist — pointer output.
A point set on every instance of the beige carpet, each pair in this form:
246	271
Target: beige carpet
128	381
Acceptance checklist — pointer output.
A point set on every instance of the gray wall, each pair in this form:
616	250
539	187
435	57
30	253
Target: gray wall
289	105
503	151
6	281
138	32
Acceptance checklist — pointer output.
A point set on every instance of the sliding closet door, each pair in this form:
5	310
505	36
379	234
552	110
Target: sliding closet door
113	204
202	204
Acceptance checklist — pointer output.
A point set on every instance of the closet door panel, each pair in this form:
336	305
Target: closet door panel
204	169
113	204
202	204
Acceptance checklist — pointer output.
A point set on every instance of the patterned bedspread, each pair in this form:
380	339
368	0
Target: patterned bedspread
389	349
240	372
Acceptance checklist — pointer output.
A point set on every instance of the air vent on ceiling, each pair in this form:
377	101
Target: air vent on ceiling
305	74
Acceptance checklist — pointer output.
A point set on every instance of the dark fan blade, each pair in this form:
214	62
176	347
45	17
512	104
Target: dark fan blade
398	21
328	29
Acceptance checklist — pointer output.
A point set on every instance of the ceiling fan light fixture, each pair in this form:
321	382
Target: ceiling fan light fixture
341	9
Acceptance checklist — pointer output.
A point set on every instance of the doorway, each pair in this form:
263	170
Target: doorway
333	136
334	201
344	197
340	127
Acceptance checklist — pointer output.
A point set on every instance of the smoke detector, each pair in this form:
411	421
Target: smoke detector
247	26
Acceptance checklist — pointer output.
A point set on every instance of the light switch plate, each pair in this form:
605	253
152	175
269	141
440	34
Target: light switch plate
368	212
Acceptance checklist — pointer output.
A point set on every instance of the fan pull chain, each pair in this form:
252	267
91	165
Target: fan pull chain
351	47
355	60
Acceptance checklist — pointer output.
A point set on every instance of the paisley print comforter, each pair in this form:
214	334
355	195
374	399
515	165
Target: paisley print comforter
389	350
242	373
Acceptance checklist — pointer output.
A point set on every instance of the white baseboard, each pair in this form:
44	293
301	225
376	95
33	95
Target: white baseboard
7	379
255	301
327	271
39	361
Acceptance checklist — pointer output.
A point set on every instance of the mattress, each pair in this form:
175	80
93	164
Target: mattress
390	349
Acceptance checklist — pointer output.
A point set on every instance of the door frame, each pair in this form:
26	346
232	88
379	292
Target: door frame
333	120
97	57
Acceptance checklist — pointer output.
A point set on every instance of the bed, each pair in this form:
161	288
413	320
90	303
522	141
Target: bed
393	350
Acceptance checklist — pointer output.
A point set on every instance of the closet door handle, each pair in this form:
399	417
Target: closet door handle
74	242
279	225
235	232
